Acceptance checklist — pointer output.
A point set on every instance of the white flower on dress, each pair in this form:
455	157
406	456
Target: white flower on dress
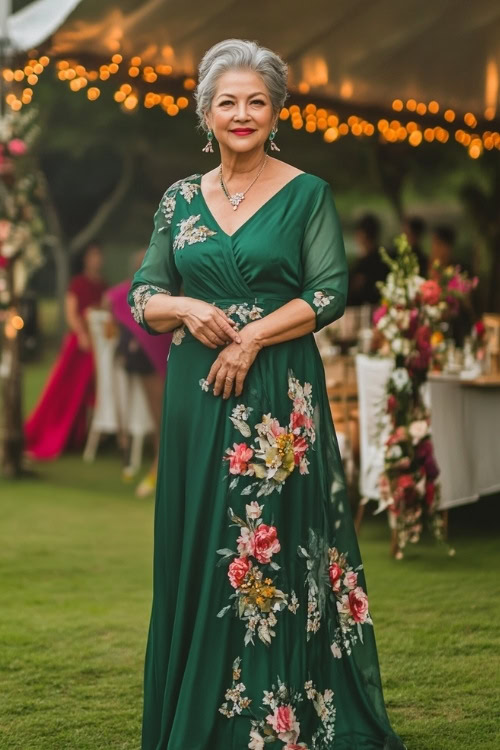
141	296
204	384
186	188
190	233
178	335
321	299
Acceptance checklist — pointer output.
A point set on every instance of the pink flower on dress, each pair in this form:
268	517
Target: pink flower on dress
299	449
431	292
266	543
358	605
246	542
238	458
254	510
284	723
238	570
297	420
351	579
335	573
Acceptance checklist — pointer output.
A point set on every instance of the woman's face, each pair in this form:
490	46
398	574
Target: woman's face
241	115
92	263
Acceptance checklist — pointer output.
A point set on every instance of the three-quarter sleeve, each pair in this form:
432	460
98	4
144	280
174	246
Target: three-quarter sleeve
325	275
158	273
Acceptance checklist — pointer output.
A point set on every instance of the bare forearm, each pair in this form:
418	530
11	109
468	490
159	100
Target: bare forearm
294	319
163	312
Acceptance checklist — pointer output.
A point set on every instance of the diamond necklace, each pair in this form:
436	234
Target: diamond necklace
236	199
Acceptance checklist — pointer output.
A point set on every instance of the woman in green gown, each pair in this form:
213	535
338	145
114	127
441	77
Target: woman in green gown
260	629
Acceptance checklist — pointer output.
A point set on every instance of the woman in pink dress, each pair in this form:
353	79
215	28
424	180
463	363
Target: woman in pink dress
59	420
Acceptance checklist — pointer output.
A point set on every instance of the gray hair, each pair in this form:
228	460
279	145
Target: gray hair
239	53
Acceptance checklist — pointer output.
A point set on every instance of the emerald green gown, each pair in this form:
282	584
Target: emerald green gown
260	632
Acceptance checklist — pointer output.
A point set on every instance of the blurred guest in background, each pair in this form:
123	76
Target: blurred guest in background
143	355
414	227
59	420
443	245
370	267
444	251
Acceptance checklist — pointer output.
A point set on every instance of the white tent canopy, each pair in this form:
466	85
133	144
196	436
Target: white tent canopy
368	52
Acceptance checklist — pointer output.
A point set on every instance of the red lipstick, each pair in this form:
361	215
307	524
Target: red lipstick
243	131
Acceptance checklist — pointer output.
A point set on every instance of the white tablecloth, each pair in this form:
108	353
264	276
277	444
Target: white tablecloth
465	427
466	431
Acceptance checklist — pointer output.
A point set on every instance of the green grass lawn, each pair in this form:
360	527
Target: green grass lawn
75	595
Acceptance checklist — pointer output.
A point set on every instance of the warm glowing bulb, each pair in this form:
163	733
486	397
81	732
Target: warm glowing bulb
397	105
189	83
415	138
433	107
182	102
131	102
449	115
330	135
284	113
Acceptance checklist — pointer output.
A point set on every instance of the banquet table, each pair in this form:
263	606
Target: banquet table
465	419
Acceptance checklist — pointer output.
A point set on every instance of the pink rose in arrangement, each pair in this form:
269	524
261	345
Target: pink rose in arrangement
238	570
379	313
299	448
266	543
398	436
238	458
17	147
479	329
284	723
391	403
405	481
413	324
335	573
358	605
351	579
430	292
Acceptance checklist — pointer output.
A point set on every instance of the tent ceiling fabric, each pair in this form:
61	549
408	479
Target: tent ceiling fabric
369	52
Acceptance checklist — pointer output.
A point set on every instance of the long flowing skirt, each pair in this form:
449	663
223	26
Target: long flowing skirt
260	629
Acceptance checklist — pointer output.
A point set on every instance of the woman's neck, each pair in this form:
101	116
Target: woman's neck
235	165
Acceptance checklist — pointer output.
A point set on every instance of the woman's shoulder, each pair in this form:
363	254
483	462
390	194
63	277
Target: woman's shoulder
187	187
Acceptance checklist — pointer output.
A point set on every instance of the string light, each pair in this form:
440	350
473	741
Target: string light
311	117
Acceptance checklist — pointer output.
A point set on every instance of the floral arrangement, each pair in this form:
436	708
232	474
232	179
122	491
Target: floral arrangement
412	320
22	228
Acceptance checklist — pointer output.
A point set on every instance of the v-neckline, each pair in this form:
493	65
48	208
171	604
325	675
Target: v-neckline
252	216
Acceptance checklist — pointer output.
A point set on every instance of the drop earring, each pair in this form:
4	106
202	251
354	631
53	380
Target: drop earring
272	136
209	149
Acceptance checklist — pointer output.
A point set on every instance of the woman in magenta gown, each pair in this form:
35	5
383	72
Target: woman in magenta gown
59	419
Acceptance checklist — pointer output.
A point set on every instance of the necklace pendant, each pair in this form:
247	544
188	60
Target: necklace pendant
236	199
